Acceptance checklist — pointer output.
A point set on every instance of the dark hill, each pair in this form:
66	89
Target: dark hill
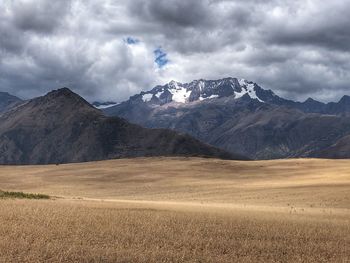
61	127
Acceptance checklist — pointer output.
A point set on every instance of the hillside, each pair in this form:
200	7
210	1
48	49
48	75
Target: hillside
305	183
62	127
8	101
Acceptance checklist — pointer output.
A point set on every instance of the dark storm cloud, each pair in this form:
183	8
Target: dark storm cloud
325	25
40	16
105	49
191	26
337	38
11	39
173	12
35	16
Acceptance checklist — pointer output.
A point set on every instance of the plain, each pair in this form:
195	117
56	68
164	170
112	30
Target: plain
178	210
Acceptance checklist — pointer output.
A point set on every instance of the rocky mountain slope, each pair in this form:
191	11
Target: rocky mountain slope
62	127
240	116
8	101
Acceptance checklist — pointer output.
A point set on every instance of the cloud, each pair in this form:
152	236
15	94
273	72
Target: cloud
310	24
174	13
40	16
109	49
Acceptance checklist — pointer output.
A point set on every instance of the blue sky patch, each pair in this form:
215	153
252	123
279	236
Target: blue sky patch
160	57
132	41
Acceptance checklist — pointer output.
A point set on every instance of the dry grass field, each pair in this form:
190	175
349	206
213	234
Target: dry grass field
178	210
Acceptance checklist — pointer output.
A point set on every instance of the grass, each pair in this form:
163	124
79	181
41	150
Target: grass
21	195
178	210
300	183
79	231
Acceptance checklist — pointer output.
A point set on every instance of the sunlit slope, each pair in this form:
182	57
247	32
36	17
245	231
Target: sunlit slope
280	183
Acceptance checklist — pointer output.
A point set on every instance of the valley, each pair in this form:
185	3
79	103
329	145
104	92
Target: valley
172	131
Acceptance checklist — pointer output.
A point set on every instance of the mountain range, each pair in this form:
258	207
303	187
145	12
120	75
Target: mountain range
239	116
62	127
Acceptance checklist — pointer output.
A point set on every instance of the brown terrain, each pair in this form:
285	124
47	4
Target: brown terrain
178	210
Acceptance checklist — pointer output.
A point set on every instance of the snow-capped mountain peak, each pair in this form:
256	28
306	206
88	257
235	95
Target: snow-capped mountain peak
249	89
179	93
242	82
203	90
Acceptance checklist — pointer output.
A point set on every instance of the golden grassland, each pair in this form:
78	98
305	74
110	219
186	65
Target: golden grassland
178	210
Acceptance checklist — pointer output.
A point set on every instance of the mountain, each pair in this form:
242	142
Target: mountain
175	94
200	90
240	116
342	107
62	127
8	101
339	150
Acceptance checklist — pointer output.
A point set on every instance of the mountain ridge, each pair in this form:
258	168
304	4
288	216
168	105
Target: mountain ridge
239	115
62	127
202	90
8	101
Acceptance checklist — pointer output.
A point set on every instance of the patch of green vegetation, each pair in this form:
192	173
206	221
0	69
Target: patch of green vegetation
21	195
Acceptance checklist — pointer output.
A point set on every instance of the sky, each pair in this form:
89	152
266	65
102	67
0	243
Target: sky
112	49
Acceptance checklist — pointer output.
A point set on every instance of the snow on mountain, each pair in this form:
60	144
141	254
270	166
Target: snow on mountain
247	88
147	97
210	97
104	105
179	93
200	90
